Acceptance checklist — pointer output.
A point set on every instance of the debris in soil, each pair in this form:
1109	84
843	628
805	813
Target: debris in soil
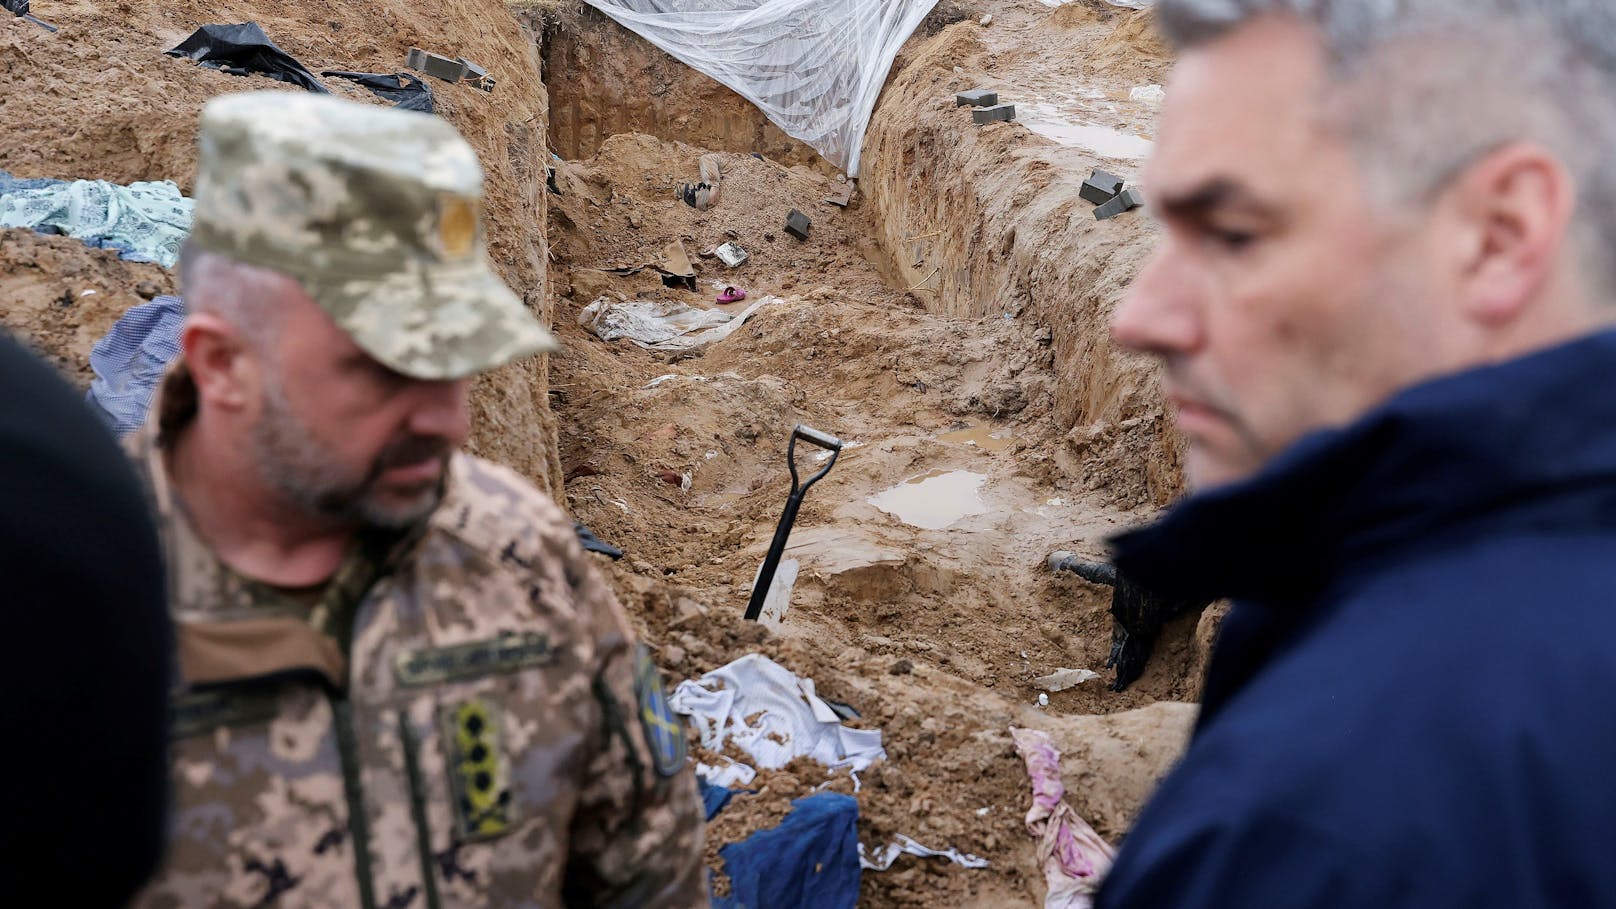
797	224
1073	856
962	289
773	716
1062	679
404	90
667	327
19	8
1125	201
881	859
932	634
244	49
763	805
146	221
130	361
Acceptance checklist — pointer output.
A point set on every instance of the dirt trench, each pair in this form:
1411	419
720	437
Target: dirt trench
974	355
988	221
998	378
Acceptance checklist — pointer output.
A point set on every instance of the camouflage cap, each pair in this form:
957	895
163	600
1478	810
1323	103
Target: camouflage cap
378	214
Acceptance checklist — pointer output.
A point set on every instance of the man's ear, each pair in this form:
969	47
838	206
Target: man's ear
1516	205
220	362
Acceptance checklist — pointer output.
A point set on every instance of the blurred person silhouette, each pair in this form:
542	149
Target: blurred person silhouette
1383	303
83	774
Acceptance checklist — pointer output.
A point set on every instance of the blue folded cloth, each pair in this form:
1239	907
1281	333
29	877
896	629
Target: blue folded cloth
131	359
810	861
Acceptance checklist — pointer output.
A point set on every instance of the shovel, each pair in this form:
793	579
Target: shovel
799	488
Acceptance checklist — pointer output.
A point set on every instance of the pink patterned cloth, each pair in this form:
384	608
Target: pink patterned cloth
1073	856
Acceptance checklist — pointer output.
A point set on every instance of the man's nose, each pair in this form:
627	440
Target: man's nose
442	409
1161	313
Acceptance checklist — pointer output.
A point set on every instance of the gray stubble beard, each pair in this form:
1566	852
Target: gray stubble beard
296	464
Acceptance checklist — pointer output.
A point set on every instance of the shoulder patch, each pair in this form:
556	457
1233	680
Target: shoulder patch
664	730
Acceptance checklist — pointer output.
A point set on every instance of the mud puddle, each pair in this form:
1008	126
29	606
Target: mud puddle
935	500
1051	122
983	437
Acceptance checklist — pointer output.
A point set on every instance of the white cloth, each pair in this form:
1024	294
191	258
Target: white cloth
814	67
901	845
787	719
731	774
1062	679
669	327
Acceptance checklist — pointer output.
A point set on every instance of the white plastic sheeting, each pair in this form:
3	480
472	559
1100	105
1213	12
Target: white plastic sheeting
814	67
670	327
1125	4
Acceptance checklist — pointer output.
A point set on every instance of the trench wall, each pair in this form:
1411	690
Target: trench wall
98	100
981	222
604	80
986	221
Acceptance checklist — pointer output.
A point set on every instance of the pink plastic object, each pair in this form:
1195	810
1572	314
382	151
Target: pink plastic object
732	295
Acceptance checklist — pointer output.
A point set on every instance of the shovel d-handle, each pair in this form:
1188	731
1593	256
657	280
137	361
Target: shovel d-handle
782	531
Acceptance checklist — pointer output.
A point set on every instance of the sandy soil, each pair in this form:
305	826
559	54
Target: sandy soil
950	322
98	100
933	634
987	220
587	61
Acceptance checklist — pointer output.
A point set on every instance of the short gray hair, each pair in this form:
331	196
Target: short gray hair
246	296
1429	86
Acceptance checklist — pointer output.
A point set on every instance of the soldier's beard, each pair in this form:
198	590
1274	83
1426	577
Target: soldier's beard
304	470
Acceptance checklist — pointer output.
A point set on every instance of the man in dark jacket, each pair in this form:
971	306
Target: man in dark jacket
1383	305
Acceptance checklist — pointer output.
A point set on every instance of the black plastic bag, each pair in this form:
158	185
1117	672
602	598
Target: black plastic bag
593	543
244	49
408	92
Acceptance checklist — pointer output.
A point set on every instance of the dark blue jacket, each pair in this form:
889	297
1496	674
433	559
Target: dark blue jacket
1410	704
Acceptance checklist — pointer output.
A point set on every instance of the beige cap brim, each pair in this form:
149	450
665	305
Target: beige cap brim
436	322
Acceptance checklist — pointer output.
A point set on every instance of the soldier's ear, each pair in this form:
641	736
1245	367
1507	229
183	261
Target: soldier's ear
220	361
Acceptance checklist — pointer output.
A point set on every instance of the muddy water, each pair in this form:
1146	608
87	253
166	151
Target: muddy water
1050	122
935	500
983	437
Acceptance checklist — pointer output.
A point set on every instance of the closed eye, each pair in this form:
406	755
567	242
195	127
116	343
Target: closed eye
1233	240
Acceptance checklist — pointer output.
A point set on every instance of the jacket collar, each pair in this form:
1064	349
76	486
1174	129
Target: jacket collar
1531	440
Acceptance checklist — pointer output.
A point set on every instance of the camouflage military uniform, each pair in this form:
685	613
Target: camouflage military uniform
459	718
482	744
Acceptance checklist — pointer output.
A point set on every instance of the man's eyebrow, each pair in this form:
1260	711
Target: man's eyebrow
1218	192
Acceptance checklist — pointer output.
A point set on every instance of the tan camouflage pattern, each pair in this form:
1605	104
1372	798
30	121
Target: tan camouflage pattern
262	812
378	214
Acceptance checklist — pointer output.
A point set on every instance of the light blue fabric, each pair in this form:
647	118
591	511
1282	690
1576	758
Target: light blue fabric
130	360
10	184
144	221
810	861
